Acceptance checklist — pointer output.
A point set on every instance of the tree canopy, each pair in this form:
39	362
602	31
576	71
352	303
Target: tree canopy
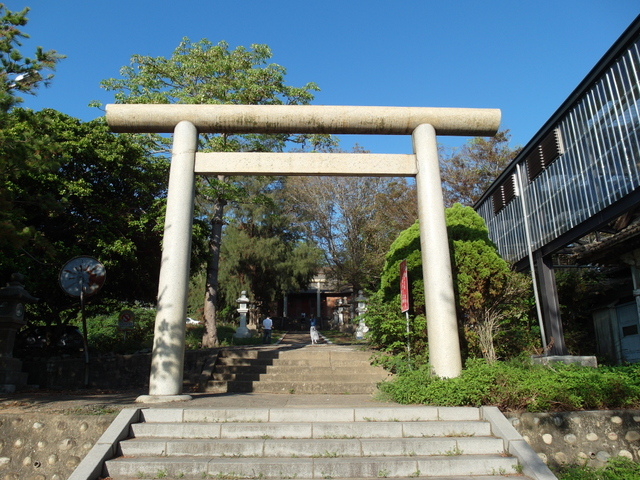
354	220
468	171
20	74
204	73
83	191
263	250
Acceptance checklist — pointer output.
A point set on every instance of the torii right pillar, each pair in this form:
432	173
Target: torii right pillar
439	297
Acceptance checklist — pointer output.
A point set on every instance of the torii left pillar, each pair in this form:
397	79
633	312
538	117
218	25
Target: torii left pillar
167	361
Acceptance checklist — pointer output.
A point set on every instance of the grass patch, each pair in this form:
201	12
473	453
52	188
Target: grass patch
96	409
618	468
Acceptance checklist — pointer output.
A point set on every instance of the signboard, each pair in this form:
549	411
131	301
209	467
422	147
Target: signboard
125	320
404	286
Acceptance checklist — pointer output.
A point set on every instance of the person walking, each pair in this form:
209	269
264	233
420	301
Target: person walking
267	325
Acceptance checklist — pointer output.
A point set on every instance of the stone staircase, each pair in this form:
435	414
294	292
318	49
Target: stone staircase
330	443
236	369
309	369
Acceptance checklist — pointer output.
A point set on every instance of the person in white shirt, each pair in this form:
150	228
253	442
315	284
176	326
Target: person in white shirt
267	324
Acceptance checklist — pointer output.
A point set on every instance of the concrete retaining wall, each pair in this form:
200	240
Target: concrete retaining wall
581	437
41	446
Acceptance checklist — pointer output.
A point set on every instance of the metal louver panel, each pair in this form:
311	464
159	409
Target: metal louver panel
498	200
551	147
509	189
535	163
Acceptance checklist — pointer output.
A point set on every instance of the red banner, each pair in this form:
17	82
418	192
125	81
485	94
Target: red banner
404	286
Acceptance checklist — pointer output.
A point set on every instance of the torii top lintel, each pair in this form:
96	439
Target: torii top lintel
152	118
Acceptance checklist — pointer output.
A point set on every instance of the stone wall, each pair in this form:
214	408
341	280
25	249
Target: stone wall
49	446
107	371
41	446
581	437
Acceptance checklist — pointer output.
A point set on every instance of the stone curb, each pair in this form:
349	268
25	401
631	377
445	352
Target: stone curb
90	468
533	466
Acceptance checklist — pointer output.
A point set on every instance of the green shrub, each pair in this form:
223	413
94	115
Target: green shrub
193	336
519	385
490	298
388	328
104	336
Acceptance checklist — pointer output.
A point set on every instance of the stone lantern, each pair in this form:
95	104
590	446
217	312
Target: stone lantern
361	309
361	302
12	300
243	307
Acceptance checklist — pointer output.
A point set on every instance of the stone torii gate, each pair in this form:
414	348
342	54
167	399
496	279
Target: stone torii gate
186	121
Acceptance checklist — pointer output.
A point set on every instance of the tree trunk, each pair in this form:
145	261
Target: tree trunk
487	330
210	336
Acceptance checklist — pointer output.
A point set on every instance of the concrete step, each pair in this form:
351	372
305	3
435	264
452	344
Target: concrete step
354	364
228	362
454	477
322	374
317	448
251	352
292	385
315	387
321	467
235	368
364	414
239	377
332	351
224	386
316	430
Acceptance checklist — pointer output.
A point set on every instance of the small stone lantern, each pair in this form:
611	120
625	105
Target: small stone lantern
12	300
243	307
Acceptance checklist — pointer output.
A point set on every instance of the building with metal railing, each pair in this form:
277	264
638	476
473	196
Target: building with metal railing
577	175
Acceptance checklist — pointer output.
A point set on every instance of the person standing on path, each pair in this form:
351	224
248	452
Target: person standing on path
315	337
267	324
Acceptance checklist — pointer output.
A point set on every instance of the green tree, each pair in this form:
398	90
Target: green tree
20	74
489	296
204	73
263	251
86	191
22	149
470	170
354	220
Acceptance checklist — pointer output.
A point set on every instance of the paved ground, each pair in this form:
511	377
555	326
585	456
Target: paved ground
103	401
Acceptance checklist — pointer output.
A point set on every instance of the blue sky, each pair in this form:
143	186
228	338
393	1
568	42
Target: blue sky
523	57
